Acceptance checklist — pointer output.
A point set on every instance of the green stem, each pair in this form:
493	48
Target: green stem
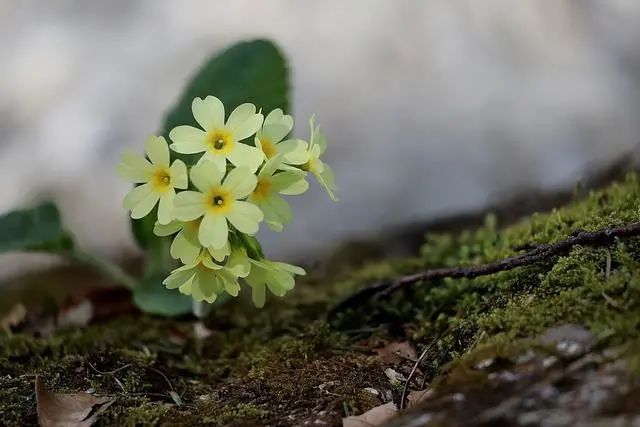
108	269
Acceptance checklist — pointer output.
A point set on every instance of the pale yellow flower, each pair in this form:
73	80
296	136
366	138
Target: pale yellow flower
277	276
271	183
220	140
218	203
204	279
270	137
159	180
185	246
320	170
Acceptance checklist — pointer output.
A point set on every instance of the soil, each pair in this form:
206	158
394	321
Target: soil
548	344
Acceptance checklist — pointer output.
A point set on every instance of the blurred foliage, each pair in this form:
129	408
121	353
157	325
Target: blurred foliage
152	297
36	229
254	72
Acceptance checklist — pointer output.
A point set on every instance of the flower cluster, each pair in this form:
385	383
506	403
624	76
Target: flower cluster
214	204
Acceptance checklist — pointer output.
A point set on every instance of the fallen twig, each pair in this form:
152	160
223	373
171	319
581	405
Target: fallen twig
540	253
403	397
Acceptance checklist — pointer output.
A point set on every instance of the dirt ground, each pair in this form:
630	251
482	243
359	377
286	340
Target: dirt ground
552	343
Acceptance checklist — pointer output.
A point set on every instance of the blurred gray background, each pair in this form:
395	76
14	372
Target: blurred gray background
431	107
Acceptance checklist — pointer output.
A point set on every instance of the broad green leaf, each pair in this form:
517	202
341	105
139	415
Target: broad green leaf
36	229
151	296
253	71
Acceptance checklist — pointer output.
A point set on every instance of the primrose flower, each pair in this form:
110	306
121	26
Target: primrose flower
159	180
219	201
270	139
185	246
220	140
271	183
277	276
320	170
204	280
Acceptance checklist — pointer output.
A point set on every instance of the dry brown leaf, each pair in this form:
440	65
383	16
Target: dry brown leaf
68	410
13	317
418	396
373	417
396	352
380	414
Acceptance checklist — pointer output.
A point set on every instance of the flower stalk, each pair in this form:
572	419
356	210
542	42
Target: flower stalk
106	268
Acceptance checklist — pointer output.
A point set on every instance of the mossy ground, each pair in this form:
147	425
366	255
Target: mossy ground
285	364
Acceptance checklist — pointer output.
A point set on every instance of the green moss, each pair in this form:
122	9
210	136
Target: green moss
461	314
260	367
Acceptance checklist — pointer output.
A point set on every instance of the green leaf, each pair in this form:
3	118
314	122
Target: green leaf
253	71
36	229
142	229
151	296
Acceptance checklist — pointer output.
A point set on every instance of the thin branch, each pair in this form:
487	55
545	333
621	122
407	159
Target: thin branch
540	253
405	389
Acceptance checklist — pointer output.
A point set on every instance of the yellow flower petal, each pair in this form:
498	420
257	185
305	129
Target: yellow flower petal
281	208
240	182
208	112
239	115
157	150
248	128
179	277
289	183
238	263
141	200
165	207
189	205
185	249
246	155
221	253
206	175
294	269
135	168
213	231
245	217
188	140
163	230
258	294
178	172
294	151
